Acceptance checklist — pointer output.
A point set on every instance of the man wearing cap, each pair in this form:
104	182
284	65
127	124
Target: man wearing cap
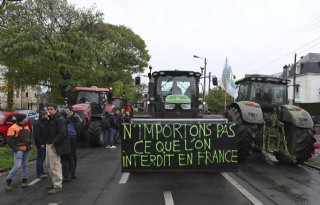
39	133
19	140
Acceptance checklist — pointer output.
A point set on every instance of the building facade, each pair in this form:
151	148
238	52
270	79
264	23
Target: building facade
307	86
26	98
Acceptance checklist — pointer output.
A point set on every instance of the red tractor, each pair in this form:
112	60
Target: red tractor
90	103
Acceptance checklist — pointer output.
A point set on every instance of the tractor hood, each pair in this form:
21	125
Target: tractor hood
177	99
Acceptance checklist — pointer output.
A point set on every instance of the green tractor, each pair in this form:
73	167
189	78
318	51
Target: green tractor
174	94
266	122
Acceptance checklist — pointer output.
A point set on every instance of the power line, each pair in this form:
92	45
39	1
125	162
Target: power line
306	28
290	53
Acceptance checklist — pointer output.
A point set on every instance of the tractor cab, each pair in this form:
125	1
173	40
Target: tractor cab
267	91
96	97
174	94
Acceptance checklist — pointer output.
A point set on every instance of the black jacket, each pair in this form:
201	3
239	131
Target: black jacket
57	135
39	132
112	118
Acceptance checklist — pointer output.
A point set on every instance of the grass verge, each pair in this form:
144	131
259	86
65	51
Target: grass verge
6	157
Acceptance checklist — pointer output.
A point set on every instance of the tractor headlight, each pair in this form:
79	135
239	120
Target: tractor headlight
169	106
186	106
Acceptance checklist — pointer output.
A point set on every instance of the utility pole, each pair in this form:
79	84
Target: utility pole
209	81
294	79
205	76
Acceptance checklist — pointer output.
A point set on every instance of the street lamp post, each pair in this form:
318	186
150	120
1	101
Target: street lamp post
204	75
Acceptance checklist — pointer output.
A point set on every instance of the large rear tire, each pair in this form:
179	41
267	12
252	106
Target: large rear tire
244	134
300	143
95	133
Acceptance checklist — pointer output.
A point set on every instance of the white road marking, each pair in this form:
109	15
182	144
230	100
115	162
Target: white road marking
168	198
34	181
124	178
247	194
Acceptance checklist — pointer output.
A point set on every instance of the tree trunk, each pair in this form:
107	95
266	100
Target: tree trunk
10	100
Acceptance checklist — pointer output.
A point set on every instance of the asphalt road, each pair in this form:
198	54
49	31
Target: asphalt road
100	181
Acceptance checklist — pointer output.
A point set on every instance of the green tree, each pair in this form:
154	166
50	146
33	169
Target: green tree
215	100
51	43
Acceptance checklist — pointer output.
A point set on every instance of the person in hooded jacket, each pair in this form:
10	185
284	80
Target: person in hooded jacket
19	140
57	144
39	133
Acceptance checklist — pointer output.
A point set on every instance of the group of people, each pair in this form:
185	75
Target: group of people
55	137
111	124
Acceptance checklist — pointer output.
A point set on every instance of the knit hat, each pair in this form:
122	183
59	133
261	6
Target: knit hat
20	117
42	112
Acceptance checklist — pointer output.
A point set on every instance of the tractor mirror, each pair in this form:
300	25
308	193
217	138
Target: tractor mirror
137	80
214	80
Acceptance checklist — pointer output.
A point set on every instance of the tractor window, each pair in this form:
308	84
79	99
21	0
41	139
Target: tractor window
243	92
183	85
88	97
268	93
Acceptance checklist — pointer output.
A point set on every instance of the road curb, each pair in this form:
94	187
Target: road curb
312	165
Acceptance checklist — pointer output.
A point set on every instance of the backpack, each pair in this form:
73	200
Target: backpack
71	130
105	122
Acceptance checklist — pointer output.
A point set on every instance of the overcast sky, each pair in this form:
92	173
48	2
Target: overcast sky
257	36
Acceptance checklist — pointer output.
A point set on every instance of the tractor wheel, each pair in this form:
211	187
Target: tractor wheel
244	134
95	134
302	143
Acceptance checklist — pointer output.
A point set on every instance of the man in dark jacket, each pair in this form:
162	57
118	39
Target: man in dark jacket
74	118
110	130
57	144
39	133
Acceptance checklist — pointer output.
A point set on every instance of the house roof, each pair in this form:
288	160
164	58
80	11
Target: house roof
308	64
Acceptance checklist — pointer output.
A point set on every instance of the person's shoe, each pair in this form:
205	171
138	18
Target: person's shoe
49	186
9	186
42	176
55	190
74	176
113	147
108	147
24	183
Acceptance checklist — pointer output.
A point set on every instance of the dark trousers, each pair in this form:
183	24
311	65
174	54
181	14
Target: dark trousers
73	143
67	166
41	155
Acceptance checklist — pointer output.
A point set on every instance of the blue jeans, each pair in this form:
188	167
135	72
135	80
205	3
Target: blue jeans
21	158
109	136
41	155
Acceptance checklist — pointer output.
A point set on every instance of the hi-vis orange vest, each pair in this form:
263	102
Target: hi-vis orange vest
13	131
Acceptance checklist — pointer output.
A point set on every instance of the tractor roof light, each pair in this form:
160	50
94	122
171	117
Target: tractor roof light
198	74
191	73
155	74
161	73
